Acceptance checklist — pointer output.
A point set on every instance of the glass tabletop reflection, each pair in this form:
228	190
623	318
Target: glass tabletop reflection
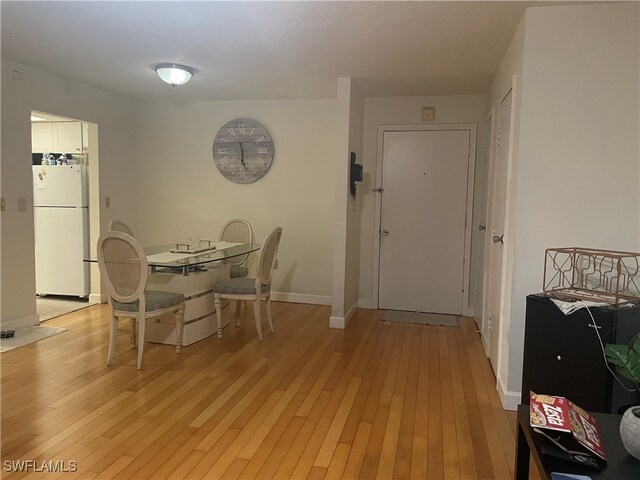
160	257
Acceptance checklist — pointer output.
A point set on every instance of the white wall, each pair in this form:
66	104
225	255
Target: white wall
354	205
400	111
346	244
578	167
41	91
182	194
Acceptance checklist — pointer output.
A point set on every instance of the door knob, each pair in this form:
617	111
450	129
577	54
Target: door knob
385	232
498	239
482	227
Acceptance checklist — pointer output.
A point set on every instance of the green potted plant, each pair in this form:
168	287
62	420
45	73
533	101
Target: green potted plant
627	363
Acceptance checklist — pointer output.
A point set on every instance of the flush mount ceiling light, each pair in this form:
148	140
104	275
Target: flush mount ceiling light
174	74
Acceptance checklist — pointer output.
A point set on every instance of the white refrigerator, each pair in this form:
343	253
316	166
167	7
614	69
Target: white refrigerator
61	223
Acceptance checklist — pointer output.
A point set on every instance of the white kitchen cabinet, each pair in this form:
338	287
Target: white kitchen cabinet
67	137
58	137
41	137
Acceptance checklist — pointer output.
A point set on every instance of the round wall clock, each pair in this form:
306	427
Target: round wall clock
243	150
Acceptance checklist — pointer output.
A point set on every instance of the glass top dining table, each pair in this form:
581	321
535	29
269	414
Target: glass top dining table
160	257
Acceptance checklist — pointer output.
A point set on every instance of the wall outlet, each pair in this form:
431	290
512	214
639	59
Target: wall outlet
22	204
2	204
428	114
275	266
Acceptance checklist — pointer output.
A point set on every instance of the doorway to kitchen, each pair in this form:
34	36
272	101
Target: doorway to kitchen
64	164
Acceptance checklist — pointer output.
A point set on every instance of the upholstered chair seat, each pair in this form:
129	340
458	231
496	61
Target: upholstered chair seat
154	301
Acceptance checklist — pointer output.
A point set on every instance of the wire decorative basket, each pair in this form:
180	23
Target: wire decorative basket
605	276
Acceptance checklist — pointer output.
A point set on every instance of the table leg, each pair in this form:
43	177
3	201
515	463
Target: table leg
521	470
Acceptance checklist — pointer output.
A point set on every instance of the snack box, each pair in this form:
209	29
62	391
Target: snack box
558	413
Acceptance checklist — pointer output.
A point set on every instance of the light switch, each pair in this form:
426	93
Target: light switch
107	202
22	204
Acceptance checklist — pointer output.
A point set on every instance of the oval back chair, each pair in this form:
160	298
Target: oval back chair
237	230
120	226
125	270
251	289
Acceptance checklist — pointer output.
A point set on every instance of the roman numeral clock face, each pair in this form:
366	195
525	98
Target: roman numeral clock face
243	150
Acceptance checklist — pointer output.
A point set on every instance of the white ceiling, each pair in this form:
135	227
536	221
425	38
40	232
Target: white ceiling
265	50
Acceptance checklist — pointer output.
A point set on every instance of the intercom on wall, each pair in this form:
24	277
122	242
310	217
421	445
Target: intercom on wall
355	174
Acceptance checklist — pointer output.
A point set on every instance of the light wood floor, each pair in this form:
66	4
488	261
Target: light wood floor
377	400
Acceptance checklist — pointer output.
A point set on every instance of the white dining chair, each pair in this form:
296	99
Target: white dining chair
251	289
119	226
116	225
237	230
125	271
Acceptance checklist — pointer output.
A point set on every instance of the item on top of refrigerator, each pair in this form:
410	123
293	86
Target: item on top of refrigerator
46	159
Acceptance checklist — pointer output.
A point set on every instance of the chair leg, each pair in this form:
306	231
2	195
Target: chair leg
141	328
256	314
238	312
269	314
218	313
113	336
179	328
133	333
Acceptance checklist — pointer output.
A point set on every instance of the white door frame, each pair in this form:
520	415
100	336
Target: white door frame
471	159
507	264
490	165
483	218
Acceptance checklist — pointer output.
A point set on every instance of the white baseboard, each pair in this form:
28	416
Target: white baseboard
510	400
350	313
301	298
483	339
22	322
337	322
342	322
97	298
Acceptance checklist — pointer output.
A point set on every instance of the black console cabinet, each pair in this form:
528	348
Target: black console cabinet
563	356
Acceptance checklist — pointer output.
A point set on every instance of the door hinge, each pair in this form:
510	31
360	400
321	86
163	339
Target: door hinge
465	219
498	139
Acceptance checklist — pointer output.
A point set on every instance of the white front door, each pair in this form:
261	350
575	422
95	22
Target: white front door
495	242
422	222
